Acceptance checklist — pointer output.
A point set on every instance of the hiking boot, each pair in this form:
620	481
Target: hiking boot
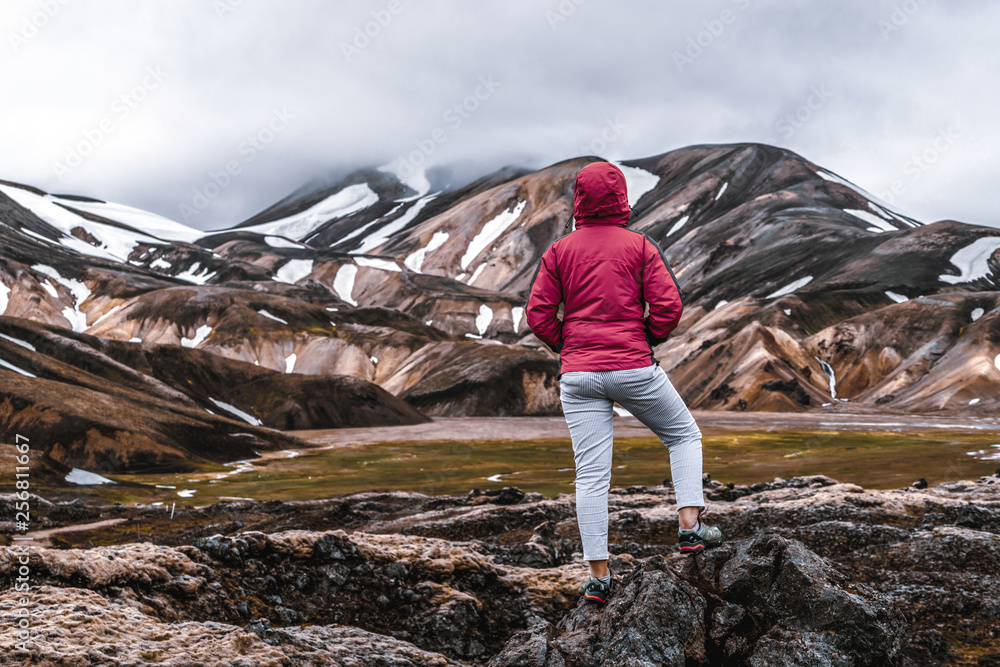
597	591
701	537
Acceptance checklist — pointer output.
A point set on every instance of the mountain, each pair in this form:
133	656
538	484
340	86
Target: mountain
406	294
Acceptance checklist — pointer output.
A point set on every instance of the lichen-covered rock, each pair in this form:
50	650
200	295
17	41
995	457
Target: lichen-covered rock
811	572
72	626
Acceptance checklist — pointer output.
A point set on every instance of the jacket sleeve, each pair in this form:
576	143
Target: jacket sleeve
543	302
661	292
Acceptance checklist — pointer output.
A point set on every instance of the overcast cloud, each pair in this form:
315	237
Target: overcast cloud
161	94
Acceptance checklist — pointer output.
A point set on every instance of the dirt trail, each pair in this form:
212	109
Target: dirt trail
41	537
711	423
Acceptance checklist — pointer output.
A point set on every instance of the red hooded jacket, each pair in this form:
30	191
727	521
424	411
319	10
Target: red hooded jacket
604	274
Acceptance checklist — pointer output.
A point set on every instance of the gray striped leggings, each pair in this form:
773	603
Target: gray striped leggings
587	398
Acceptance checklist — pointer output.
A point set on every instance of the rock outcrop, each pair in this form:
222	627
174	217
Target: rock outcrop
763	601
812	572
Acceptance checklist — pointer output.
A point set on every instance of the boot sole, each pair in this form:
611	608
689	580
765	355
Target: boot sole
699	546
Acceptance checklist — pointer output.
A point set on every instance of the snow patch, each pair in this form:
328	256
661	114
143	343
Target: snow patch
722	190
678	224
83	477
186	493
791	287
363	228
381	235
294	270
77	320
4	297
375	263
720	304
878	224
106	315
199	335
196	274
160	263
135	340
415	179
637	182
976	314
350	200
880	211
475	274
971	260
16	369
280	242
343	282
974	401
233	410
516	313
833	178
290	363
986	454
490	232
151	223
898	298
484	319
80	292
26	345
270	316
115	243
415	260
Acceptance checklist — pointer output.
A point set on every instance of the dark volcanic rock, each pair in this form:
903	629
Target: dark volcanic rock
765	601
812	572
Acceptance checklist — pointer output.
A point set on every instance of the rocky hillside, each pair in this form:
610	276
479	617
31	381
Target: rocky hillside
802	290
813	572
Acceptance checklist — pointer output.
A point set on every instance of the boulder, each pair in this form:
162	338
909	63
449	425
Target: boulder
762	601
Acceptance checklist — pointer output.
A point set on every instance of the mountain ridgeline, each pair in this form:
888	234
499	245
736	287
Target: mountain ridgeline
378	298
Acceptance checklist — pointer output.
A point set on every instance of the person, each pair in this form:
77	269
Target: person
605	276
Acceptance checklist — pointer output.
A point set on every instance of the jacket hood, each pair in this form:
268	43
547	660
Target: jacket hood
600	195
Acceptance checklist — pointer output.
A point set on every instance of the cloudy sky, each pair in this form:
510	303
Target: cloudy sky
152	103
